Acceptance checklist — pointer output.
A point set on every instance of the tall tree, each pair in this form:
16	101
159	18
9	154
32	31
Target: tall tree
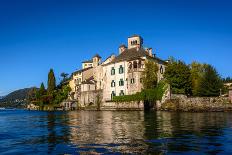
197	72
178	75
211	83
42	89
149	77
51	82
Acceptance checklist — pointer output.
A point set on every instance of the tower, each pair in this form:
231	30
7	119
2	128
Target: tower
135	41
96	60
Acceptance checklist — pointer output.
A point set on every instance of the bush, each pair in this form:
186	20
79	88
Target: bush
146	94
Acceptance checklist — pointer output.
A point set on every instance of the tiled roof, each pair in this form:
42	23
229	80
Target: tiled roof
88	61
133	53
82	70
89	81
97	56
135	35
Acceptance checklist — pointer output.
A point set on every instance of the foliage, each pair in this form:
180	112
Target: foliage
49	99
51	82
211	83
178	75
197	72
61	94
227	80
149	77
150	95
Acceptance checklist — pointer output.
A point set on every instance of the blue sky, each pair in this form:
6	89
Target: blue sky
36	35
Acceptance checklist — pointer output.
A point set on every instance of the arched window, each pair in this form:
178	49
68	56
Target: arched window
135	65
130	65
140	64
161	69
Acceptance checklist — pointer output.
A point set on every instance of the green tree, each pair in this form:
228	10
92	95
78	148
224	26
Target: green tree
178	75
211	83
64	76
61	94
42	89
197	72
51	82
149	77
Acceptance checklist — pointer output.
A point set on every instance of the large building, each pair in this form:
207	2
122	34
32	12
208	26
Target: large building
117	75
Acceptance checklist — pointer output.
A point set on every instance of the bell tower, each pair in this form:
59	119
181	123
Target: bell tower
135	41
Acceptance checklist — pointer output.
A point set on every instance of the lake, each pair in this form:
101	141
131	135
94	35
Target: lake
114	132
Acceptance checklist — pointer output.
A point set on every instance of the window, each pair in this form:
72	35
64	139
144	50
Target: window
161	70
135	65
112	71
121	82
112	83
121	93
141	80
132	80
112	95
121	69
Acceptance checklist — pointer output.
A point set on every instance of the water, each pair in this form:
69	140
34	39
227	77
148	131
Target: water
114	132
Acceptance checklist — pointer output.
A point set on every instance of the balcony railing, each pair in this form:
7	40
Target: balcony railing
135	70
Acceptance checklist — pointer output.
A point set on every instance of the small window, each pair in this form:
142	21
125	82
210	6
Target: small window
112	83
112	71
112	95
161	70
121	82
121	69
132	81
121	93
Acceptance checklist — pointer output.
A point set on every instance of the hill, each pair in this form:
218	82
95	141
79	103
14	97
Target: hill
15	99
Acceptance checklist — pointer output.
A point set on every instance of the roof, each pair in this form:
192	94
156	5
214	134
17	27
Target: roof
135	35
123	45
82	70
88	61
89	81
96	55
133	53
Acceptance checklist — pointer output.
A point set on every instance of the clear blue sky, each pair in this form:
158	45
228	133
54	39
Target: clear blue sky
36	35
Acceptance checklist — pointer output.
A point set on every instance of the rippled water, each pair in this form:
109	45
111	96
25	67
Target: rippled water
111	132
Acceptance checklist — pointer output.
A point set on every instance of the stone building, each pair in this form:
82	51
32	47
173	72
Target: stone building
117	75
123	75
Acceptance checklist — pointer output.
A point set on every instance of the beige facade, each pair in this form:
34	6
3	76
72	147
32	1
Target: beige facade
117	75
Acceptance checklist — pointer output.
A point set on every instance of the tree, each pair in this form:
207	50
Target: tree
149	77
64	76
51	82
42	89
197	72
178	75
211	83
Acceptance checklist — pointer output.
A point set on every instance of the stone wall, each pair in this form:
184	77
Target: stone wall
135	105
184	103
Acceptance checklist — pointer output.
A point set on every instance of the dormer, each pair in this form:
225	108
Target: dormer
135	41
122	48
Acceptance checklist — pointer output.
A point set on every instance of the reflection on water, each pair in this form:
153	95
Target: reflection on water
34	132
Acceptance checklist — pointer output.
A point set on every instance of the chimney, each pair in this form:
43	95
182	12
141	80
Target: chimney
122	48
150	52
112	57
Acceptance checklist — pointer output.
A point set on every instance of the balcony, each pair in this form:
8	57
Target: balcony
135	70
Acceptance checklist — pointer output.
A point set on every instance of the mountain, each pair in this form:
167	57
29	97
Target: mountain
16	99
